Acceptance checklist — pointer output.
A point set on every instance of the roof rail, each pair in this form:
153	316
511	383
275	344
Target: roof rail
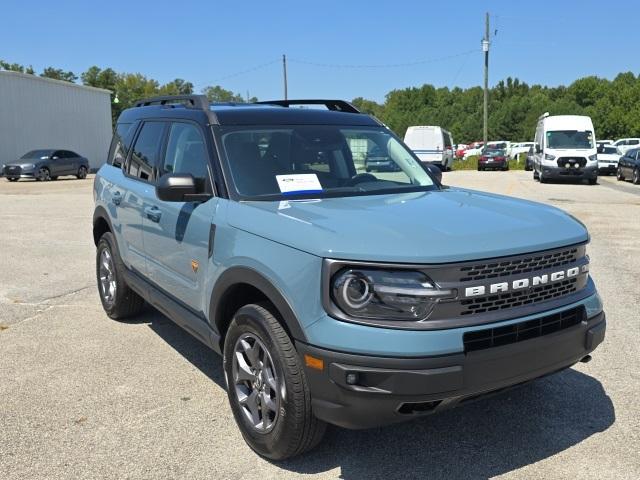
195	101
335	105
198	102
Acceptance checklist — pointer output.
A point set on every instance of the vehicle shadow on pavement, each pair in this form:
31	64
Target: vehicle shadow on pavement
482	439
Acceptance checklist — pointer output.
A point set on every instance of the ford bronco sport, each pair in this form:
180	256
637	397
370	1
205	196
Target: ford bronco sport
334	295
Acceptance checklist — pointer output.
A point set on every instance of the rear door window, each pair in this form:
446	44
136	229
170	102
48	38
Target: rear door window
146	151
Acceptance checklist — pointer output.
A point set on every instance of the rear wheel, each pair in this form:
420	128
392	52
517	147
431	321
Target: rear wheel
118	300
619	174
12	179
267	386
82	173
636	176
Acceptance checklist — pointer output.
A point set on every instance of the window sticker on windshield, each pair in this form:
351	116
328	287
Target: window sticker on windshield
299	183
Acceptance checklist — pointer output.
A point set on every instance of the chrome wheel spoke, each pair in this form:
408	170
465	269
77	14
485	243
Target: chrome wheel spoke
243	372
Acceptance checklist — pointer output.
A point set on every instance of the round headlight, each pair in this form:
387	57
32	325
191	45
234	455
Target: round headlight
355	291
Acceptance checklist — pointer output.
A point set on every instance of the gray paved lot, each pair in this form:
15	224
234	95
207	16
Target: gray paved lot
82	396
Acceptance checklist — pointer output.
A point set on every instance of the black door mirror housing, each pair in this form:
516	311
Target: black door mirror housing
433	170
179	187
538	149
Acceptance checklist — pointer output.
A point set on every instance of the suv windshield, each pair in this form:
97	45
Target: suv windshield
37	154
570	139
270	163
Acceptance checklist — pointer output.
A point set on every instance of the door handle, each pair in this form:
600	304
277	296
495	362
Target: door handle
153	213
116	198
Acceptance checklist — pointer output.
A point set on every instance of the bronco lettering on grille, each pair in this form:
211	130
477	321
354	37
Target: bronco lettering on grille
522	283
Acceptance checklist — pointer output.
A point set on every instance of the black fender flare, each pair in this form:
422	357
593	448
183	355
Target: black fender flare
246	275
100	213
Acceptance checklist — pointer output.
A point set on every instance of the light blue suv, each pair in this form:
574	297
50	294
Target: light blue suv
335	295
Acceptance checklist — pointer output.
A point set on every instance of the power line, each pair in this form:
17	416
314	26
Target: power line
245	71
388	65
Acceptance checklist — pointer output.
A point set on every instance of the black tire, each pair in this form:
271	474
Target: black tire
295	429
12	179
43	175
126	303
619	175
593	181
82	173
535	174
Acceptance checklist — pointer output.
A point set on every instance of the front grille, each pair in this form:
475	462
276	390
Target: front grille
518	332
12	170
518	298
518	266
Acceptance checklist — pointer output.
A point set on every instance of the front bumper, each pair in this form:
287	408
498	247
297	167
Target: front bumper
557	173
391	389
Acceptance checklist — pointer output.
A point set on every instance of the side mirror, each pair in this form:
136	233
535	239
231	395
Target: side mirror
538	149
433	170
179	187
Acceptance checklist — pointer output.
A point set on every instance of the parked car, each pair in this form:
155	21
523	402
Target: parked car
378	160
329	293
608	157
517	148
629	166
474	149
528	163
493	159
625	144
432	144
460	149
47	164
565	149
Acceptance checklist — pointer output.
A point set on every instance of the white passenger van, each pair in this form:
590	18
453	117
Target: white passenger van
431	144
565	147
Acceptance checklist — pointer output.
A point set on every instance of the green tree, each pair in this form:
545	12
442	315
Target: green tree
59	74
16	67
219	94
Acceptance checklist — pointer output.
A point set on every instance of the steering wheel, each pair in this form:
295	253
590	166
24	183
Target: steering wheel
359	178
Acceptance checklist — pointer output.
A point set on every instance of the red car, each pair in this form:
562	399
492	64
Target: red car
460	150
494	159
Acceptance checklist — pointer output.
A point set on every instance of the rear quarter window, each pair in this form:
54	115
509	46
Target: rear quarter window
120	144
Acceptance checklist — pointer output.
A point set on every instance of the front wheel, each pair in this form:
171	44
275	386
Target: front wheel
82	173
593	181
43	175
636	176
12	179
267	386
619	175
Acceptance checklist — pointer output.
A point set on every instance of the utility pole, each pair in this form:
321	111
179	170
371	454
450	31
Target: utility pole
284	71
485	49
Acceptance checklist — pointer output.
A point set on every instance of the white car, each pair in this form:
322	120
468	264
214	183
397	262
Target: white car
604	142
608	157
518	148
625	144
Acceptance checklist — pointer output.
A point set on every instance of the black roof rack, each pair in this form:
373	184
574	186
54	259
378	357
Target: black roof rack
334	105
198	102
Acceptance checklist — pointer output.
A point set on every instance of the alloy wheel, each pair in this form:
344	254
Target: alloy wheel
636	176
108	283
82	173
256	383
44	175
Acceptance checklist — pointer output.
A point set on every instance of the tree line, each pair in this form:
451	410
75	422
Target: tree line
514	106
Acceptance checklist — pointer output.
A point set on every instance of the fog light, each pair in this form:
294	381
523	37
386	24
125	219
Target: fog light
567	165
352	378
575	165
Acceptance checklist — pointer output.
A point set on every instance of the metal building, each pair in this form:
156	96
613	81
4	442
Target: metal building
38	112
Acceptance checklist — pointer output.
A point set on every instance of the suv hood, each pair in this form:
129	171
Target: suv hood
449	225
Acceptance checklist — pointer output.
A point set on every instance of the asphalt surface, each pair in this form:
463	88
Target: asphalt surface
82	396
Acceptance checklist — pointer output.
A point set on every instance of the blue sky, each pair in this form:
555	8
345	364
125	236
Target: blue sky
209	42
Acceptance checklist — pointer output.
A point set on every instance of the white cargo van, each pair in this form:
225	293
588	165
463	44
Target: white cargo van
431	144
565	147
